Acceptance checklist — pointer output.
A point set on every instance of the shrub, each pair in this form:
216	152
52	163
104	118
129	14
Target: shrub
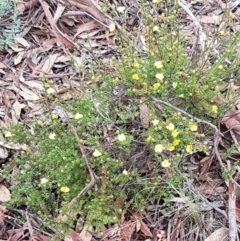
9	23
135	154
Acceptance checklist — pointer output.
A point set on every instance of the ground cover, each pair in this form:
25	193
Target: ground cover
119	121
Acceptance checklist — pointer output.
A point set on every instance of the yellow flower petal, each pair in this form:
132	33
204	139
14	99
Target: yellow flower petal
125	172
175	133
97	153
170	126
193	127
156	86
189	148
78	116
55	116
52	136
65	189
176	142
135	65
135	76
121	137
155	122
166	163
121	9
8	134
171	148
155	29
50	91
158	64
111	27
43	180
214	109
159	76
158	148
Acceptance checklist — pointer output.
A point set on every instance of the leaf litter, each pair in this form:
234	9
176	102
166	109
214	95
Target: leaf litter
42	52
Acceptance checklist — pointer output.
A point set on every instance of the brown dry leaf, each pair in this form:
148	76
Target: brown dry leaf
5	194
86	27
2	216
111	233
23	42
3	153
213	189
73	236
237	210
126	230
144	115
49	63
210	19
18	58
90	7
232	120
16	111
64	40
144	228
22	6
220	234
41	238
86	234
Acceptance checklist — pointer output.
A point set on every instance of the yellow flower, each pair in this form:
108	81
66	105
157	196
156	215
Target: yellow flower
171	148
35	97
155	1
8	134
135	65
111	27
52	136
65	189
121	137
125	172
158	64
155	29
158	148
155	122
166	163
175	133
170	126
214	109
135	77
78	116
152	53
221	32
193	127
189	148
231	15
22	106
149	139
159	76
55	116
174	84
121	9
220	67
97	153
156	86
50	91
181	96
215	18
176	142
43	180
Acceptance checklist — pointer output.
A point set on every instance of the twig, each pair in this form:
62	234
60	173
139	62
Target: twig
202	35
91	172
37	218
186	113
232	208
203	198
